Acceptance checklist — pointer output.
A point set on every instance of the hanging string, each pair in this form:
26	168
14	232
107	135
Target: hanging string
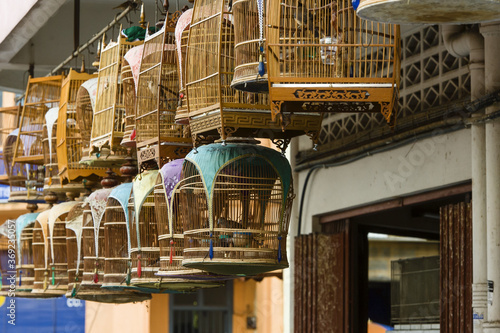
96	274
73	291
53	275
129	272
279	249
211	250
20	274
139	268
260	8
171	251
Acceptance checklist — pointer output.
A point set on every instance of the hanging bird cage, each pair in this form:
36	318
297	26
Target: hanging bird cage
58	248
42	94
215	109
170	219
41	258
249	46
85	106
428	11
73	131
130	75
25	180
322	57
74	224
109	114
25	264
159	138
181	42
10	117
51	181
236	202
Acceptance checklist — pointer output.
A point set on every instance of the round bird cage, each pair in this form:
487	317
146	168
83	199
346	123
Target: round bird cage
429	11
26	180
322	57
181	42
236	202
58	247
159	138
74	225
41	258
108	122
130	75
170	228
249	34
73	132
25	265
10	116
215	109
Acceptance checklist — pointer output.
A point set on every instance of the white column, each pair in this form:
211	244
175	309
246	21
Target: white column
491	33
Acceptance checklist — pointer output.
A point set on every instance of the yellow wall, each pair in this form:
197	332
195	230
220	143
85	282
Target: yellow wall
269	305
159	312
117	318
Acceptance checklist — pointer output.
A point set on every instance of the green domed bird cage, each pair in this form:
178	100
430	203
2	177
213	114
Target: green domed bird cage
236	201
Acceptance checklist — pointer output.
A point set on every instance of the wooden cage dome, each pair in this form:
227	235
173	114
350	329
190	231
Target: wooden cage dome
74	225
215	109
25	265
159	138
73	132
109	113
170	228
130	75
41	258
181	42
58	248
26	180
236	202
322	57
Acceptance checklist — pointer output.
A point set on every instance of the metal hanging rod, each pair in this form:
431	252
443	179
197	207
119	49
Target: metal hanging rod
92	40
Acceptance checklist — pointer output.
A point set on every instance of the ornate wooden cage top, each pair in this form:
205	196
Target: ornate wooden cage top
58	248
25	180
9	117
42	94
322	57
170	219
236	202
73	130
109	114
130	75
25	267
215	109
74	225
159	138
181	42
41	258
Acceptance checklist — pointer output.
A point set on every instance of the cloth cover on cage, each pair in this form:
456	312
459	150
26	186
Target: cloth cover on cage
22	222
171	174
76	225
43	220
121	193
91	87
97	202
54	213
183	23
143	185
50	120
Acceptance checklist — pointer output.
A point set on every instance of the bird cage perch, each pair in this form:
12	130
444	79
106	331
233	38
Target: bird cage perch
322	57
85	106
130	75
170	228
215	109
41	258
42	94
159	139
73	131
74	224
236	202
25	266
109	114
26	180
58	247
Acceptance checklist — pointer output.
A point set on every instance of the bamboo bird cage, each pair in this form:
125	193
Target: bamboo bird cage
9	116
25	264
159	138
236	202
322	57
170	220
130	75
108	123
73	130
58	247
85	106
118	265
42	94
215	109
41	258
74	225
26	180
181	42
